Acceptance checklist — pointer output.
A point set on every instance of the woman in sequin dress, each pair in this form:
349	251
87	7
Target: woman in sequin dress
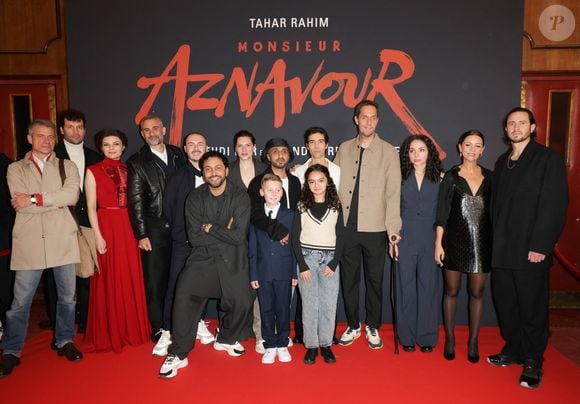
117	306
463	238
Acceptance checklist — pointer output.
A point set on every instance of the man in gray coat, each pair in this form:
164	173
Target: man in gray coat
44	236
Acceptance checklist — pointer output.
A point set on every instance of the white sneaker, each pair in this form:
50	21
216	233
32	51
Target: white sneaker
260	346
170	366
160	349
290	343
236	349
373	338
349	336
284	355
269	356
203	334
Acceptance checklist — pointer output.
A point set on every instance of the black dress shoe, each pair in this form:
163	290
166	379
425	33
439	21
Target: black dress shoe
502	360
310	357
53	345
327	354
70	351
298	339
427	348
409	348
8	363
334	340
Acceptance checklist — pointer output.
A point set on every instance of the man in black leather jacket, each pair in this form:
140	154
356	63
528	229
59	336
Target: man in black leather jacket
147	172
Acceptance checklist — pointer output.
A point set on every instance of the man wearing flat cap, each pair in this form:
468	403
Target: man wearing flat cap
278	154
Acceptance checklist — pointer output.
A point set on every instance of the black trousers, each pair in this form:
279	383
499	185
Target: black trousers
179	253
371	247
275	297
6	287
156	265
521	299
199	281
298	328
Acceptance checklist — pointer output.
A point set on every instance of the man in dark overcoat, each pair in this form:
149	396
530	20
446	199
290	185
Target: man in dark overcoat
217	216
529	200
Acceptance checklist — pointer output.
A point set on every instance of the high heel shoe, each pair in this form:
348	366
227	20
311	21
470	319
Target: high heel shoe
448	355
449	351
472	352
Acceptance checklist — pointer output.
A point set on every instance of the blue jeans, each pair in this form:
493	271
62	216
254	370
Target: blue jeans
319	299
25	285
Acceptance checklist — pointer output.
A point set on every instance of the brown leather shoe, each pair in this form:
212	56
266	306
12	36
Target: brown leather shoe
70	351
8	363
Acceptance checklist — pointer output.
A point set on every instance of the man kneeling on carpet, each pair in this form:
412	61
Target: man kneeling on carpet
217	216
273	273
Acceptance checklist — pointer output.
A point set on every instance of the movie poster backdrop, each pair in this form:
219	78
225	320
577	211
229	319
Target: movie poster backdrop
276	68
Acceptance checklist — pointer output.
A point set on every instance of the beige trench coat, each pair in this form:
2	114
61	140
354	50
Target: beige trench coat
379	187
44	236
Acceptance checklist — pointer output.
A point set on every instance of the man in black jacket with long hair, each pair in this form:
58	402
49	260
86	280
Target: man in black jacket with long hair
529	201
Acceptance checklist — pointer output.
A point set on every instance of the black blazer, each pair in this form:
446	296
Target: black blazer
91	157
276	231
235	176
528	207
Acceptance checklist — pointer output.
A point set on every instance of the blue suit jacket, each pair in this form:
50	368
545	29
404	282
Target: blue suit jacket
269	260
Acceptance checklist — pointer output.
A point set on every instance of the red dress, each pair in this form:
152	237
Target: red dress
117	306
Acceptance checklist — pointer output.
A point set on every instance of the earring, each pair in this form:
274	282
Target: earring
460	154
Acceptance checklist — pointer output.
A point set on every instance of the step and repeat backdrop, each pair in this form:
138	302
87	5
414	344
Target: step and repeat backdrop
277	68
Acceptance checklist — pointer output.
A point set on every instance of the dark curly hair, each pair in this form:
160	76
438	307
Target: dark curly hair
307	198
433	168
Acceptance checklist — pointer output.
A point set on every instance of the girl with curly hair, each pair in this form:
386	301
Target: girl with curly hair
418	279
317	242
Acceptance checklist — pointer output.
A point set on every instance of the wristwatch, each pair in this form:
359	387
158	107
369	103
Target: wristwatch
33	199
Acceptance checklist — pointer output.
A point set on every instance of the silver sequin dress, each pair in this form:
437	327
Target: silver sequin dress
466	223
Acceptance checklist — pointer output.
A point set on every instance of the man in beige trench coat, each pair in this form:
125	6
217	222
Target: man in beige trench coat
44	236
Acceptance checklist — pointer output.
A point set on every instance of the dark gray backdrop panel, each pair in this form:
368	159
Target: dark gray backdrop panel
467	59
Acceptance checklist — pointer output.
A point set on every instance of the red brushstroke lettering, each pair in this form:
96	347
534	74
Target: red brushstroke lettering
321	90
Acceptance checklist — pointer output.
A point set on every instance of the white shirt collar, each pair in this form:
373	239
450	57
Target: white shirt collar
273	210
162	156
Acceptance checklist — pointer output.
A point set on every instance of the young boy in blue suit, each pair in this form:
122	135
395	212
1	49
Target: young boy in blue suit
273	273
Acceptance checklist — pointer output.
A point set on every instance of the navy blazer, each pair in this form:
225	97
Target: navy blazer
276	230
270	260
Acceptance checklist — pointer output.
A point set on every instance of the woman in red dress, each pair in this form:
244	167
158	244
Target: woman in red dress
117	307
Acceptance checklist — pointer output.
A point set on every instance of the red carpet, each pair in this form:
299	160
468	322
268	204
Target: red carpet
360	375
